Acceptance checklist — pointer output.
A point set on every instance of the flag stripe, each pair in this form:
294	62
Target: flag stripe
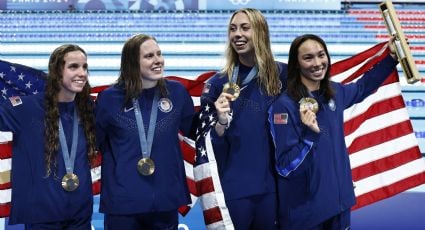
4	210
5	185
382	192
5	165
350	63
205	185
390	177
395	159
383	93
212	215
380	136
5	150
374	110
377	123
5	179
5	196
192	186
383	150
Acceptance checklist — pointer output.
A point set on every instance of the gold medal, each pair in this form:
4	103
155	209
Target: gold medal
233	89
146	166
310	104
70	182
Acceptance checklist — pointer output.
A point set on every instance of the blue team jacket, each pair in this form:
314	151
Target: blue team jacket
35	197
124	190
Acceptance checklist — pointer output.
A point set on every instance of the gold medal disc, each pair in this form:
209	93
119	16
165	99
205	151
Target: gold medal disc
70	182
233	89
146	166
310	104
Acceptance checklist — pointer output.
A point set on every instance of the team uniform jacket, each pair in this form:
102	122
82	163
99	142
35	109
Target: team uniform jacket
244	152
124	190
315	176
35	197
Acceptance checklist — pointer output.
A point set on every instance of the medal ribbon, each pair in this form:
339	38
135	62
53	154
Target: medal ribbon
69	158
146	143
252	73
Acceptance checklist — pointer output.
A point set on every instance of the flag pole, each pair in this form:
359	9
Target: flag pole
402	48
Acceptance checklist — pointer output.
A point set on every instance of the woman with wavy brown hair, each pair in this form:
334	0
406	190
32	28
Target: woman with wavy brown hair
54	141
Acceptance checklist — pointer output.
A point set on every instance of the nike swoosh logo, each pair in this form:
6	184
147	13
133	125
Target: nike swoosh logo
129	109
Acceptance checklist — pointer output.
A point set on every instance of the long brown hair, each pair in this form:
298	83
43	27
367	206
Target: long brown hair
130	74
83	105
267	68
296	88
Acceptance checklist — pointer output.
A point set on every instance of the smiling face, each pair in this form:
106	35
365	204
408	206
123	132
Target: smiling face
240	35
313	63
74	75
151	63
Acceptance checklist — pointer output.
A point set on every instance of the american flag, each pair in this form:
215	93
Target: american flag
194	87
19	80
384	151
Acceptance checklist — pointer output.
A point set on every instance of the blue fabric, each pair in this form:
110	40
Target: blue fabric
35	197
321	185
74	224
124	191
153	220
254	212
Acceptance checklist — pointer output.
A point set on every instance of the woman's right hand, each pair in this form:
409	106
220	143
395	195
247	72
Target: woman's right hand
222	105
308	118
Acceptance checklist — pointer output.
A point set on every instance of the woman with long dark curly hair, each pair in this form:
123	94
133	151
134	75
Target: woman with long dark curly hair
54	142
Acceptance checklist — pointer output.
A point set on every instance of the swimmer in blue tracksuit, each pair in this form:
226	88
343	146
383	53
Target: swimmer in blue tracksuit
315	186
242	145
51	184
137	122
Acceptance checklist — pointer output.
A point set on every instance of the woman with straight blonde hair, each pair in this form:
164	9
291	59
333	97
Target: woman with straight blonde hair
238	98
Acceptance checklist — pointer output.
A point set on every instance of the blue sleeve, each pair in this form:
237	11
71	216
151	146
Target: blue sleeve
188	112
292	140
9	120
100	114
371	80
283	74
